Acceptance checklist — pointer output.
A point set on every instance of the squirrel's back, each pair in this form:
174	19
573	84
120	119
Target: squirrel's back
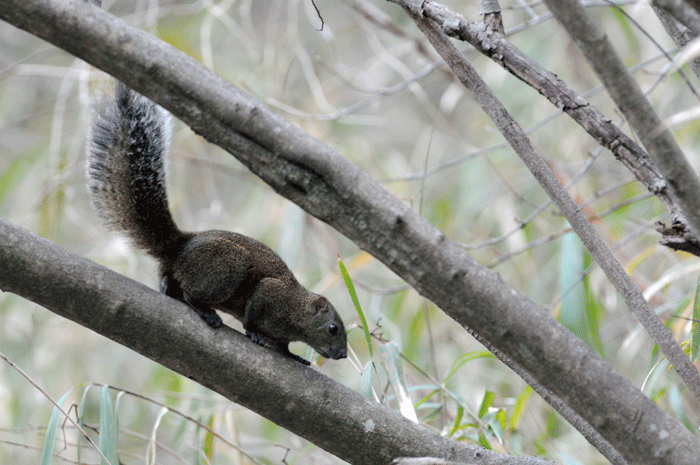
127	142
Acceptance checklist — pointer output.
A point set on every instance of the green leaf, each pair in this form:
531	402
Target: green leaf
458	420
468	357
81	420
487	402
109	428
393	364
483	441
209	440
151	449
353	295
428	396
502	418
572	313
580	312
14	173
497	423
520	405
47	453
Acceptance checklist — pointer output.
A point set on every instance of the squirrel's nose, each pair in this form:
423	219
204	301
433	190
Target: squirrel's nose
337	353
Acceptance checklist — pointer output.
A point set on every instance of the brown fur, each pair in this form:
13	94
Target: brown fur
211	270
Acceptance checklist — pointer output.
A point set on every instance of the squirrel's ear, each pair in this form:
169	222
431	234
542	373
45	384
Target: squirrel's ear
319	304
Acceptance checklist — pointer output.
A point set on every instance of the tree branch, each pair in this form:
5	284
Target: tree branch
680	10
628	96
679	33
325	412
521	144
593	242
605	132
328	186
516	137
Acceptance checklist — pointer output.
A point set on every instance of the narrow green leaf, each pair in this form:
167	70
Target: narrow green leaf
497	423
573	312
468	357
83	402
428	396
489	397
658	396
502	418
483	441
353	295
14	173
458	420
81	420
624	24
580	312
152	449
209	440
413	337
109	429
695	327
520	405
47	453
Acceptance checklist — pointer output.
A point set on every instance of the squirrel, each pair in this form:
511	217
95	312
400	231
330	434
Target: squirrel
212	270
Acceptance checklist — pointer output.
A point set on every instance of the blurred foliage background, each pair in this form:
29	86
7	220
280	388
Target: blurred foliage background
367	83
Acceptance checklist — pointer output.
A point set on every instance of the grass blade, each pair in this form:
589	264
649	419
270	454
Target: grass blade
353	295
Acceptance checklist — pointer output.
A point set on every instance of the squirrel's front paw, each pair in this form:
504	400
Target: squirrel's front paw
256	338
212	319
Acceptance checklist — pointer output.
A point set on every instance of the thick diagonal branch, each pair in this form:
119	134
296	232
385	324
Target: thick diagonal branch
517	138
323	411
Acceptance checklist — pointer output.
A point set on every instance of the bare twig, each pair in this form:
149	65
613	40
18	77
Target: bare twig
628	96
51	399
512	132
450	21
554	89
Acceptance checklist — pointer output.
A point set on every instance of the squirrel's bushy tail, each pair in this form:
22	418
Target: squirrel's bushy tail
127	142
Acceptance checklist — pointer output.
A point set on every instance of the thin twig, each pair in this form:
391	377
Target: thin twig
51	399
544	175
441	21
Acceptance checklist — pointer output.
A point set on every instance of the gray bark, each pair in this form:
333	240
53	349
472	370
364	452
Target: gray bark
304	401
628	96
520	143
600	127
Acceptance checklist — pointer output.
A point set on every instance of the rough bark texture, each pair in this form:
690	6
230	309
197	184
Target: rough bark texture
680	10
521	145
303	401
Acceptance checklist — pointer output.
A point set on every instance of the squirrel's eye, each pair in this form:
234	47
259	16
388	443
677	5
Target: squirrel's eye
332	329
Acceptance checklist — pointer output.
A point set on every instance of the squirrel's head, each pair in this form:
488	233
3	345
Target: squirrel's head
325	331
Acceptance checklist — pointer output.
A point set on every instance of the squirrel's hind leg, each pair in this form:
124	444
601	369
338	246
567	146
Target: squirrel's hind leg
172	289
